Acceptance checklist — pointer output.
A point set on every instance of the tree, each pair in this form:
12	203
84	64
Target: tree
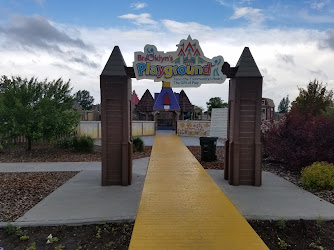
85	99
198	108
315	99
216	102
283	106
300	139
36	110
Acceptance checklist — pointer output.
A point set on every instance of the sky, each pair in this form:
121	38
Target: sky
292	42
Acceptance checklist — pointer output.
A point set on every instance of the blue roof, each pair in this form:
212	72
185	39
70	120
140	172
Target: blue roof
159	98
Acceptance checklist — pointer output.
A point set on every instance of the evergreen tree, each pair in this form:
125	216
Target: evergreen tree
283	106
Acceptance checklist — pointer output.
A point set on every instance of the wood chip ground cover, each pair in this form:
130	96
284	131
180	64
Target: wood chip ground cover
19	192
49	153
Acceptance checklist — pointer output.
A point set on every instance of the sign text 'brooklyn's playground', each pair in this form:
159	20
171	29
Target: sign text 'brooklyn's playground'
185	67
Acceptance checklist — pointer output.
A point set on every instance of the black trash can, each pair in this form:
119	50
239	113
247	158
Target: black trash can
208	148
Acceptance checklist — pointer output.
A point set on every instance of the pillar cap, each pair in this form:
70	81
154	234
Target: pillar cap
247	66
115	65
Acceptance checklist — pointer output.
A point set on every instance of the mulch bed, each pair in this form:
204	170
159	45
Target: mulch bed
218	164
103	236
43	152
146	153
19	192
300	234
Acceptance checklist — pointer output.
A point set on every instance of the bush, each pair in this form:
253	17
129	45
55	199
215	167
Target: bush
64	143
320	175
1	149
138	145
299	140
83	144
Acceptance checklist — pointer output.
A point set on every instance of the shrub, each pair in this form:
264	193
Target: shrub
64	143
320	175
1	149
83	144
299	140
138	145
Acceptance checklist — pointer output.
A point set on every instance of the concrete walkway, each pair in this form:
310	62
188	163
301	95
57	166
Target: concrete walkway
276	198
48	166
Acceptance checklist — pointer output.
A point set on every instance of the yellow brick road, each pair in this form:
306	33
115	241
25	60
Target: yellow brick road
181	207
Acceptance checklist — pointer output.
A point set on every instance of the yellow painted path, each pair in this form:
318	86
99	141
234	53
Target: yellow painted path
181	206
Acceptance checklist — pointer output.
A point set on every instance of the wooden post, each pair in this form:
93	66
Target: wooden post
116	121
243	156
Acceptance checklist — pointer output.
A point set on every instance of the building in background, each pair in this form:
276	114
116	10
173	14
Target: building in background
166	108
144	109
267	109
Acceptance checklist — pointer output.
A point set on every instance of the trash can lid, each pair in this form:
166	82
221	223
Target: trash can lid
208	138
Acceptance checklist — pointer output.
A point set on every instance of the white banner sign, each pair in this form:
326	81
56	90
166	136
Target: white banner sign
219	122
185	67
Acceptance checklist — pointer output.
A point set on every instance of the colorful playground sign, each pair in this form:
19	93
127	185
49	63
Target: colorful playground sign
185	67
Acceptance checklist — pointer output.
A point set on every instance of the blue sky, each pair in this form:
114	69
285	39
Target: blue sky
291	41
214	13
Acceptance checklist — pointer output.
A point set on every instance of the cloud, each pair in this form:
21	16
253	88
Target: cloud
316	18
144	18
37	32
328	41
268	46
222	2
318	4
83	59
63	67
318	73
138	5
252	15
185	28
289	59
246	1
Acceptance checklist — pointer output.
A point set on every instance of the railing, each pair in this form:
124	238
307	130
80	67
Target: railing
23	139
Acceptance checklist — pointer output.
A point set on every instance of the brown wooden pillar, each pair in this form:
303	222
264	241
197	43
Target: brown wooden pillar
116	121
243	157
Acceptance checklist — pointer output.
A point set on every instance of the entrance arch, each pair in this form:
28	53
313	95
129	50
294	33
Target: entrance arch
243	154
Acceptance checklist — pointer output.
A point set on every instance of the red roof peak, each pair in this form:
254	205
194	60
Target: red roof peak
135	98
166	100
